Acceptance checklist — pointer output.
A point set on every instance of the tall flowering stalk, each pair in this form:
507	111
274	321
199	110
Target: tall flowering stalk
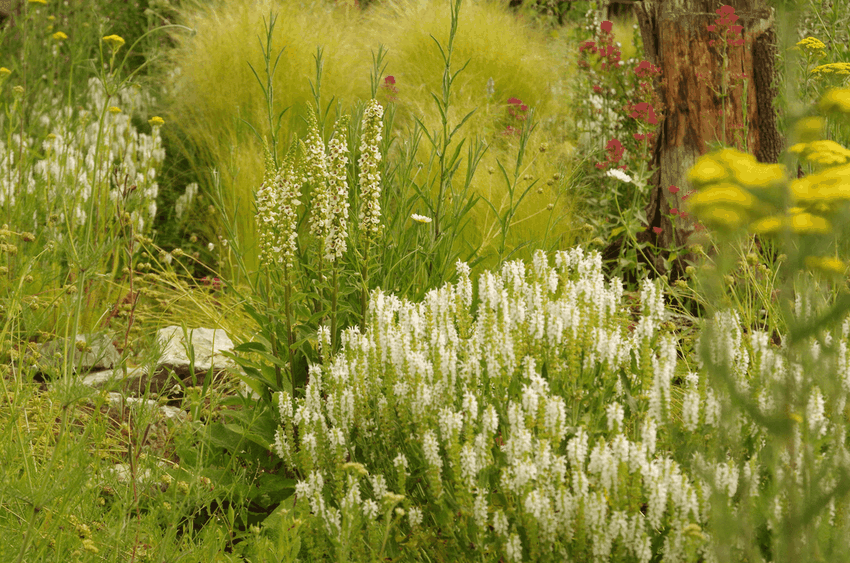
326	174
317	176
337	224
277	203
370	188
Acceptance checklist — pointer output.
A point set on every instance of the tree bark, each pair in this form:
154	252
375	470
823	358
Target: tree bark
676	39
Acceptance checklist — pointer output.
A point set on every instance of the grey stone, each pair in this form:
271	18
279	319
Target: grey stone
91	351
110	378
207	344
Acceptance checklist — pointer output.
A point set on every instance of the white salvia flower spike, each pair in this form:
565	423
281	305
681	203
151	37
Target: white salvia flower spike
370	176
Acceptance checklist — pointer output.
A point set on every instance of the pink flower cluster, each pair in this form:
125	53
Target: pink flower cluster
606	50
389	86
727	18
615	151
517	110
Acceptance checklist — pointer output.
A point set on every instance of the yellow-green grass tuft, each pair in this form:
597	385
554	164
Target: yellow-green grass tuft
215	87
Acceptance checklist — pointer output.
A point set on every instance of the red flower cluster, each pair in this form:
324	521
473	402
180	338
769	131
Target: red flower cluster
514	103
648	137
606	49
615	154
643	111
389	85
727	18
647	69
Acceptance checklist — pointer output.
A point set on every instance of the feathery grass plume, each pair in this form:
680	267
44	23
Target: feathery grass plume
337	229
370	177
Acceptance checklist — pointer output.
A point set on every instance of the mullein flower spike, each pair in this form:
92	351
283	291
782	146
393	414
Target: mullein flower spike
370	177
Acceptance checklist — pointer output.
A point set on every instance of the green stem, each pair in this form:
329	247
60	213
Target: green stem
334	292
287	291
364	274
274	342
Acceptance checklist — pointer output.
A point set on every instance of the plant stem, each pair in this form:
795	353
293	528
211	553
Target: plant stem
287	291
334	292
274	343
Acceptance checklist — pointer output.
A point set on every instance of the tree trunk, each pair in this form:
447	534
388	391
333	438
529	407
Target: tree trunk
677	39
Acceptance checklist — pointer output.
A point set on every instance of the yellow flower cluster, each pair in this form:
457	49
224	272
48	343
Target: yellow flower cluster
832	68
812	46
734	188
115	42
836	100
822	153
59	36
825	189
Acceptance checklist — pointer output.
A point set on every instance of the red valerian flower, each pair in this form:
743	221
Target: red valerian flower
646	68
673	189
657	230
606	26
588	45
615	150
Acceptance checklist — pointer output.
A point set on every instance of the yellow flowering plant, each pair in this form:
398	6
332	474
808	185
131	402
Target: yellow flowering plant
735	193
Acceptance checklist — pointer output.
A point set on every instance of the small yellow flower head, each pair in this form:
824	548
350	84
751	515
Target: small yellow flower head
836	100
37	1
723	217
113	109
813	46
707	170
826	264
51	136
821	153
18	90
4	73
830	186
115	42
800	223
809	129
832	68
59	36
156	121
51	18
724	193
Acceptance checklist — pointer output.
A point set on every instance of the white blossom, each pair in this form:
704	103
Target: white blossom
619	175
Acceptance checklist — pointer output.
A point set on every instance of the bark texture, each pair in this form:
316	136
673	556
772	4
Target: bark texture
695	113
